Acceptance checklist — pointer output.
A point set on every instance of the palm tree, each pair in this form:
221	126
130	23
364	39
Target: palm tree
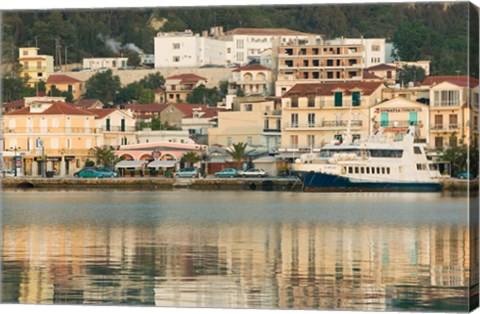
238	151
105	157
191	158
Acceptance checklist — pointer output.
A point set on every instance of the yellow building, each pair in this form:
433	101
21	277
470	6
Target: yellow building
48	136
178	87
453	110
395	116
36	67
254	120
316	114
66	83
253	79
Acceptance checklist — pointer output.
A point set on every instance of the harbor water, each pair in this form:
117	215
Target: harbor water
229	249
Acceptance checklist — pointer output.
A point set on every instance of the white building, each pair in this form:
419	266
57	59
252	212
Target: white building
186	49
149	136
373	48
238	46
101	63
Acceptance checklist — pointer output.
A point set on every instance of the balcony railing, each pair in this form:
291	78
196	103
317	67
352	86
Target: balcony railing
399	124
326	124
442	127
50	130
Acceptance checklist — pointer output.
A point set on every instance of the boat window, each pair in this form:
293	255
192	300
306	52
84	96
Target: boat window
386	153
383	170
368	169
388	170
356	169
362	170
378	170
350	169
421	167
417	150
433	166
328	153
373	170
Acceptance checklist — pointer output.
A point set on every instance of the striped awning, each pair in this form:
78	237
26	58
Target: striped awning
162	164
130	164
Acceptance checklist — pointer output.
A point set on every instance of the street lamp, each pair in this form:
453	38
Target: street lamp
15	149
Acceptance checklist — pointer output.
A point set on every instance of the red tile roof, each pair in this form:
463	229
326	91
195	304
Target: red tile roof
370	76
147	107
61	79
17	104
382	67
463	81
87	103
100	113
251	67
327	89
159	90
265	32
56	108
186	78
188	109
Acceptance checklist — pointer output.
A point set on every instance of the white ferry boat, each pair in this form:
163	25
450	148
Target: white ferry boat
376	164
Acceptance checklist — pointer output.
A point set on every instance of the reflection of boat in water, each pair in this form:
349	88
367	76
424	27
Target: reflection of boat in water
375	164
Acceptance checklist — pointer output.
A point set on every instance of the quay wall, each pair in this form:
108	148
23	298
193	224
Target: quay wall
252	184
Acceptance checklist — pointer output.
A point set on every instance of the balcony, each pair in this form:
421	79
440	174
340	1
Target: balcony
445	128
399	124
326	125
51	130
272	132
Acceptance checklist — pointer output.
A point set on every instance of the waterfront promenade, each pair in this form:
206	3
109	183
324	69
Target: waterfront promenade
209	183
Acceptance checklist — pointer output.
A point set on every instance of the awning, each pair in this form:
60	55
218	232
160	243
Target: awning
162	164
130	164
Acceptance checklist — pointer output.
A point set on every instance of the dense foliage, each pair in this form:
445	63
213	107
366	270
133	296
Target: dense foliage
435	31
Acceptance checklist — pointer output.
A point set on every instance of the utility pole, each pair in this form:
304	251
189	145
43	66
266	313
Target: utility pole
58	53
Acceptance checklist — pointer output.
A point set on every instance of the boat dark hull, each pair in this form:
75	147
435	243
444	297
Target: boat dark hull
313	181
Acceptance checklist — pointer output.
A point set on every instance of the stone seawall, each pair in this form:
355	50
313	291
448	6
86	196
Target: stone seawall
252	184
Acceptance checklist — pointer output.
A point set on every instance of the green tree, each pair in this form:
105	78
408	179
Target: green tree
15	88
238	151
103	86
129	93
146	96
54	92
105	157
133	59
409	40
411	74
152	81
204	95
463	158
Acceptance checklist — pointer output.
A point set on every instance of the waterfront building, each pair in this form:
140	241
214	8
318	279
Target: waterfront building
453	110
105	63
316	114
66	83
396	115
114	127
19	104
48	136
166	136
313	63
34	66
178	87
251	80
255	121
199	121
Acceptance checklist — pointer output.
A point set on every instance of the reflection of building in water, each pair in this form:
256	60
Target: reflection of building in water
287	265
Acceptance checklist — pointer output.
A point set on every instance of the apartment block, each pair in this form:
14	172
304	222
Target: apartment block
34	66
318	63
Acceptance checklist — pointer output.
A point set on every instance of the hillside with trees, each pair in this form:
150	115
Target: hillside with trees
434	31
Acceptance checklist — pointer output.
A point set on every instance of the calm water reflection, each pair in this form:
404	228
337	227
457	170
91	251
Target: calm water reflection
369	251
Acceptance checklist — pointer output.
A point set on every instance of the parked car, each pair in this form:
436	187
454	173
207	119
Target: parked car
227	173
107	172
190	172
88	173
254	172
465	175
8	173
